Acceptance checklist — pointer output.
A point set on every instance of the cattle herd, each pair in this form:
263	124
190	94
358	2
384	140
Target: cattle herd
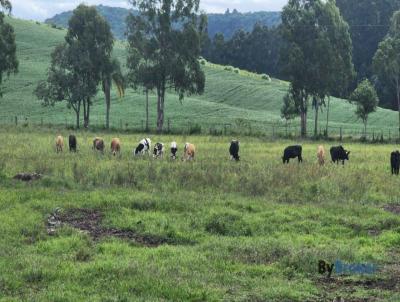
338	153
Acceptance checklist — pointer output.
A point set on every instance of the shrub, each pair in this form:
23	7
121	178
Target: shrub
228	68
266	77
236	70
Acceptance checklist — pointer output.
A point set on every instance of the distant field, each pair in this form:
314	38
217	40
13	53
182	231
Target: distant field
241	100
210	230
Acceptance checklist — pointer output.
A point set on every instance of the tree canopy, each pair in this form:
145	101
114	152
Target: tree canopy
8	48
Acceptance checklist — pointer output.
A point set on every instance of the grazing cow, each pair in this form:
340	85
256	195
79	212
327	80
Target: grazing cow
292	152
339	154
59	144
174	150
321	155
115	146
158	150
234	150
189	151
143	147
98	144
395	162
72	143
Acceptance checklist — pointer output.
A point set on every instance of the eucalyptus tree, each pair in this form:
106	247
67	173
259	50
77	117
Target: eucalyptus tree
317	55
8	48
164	45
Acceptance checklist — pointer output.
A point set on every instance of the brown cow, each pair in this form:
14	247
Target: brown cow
189	151
321	155
59	144
98	144
115	146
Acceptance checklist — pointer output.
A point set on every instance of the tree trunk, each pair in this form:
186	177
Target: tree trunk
107	93
303	117
327	116
86	113
316	119
160	110
365	129
147	110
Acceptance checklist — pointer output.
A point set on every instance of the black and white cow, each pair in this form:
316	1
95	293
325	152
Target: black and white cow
158	151
234	150
174	150
395	162
292	152
143	147
339	154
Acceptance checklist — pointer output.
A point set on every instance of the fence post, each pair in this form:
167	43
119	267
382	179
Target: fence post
169	125
389	136
273	131
341	134
16	120
225	129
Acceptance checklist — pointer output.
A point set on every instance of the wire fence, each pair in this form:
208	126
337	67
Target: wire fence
210	127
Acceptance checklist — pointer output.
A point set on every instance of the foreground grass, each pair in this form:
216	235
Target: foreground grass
248	231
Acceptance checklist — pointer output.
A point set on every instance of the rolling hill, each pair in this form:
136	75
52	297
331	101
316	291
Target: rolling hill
239	99
227	23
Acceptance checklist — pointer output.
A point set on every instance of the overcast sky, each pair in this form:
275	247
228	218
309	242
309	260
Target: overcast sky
42	9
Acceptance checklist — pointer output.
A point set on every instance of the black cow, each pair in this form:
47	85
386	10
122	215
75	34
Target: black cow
72	143
292	152
234	150
339	154
395	162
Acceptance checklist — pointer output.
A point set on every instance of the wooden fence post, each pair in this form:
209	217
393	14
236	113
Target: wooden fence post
16	120
341	134
169	125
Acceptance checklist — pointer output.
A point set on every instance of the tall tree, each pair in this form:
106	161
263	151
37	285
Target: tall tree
387	59
90	34
165	42
112	73
79	65
366	98
317	54
8	48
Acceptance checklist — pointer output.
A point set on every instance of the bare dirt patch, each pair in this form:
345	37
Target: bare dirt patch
393	208
89	220
346	287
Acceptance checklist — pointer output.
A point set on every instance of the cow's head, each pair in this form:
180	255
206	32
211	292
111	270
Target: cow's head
347	153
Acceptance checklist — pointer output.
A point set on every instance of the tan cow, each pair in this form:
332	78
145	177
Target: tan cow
59	144
189	151
321	155
98	144
115	146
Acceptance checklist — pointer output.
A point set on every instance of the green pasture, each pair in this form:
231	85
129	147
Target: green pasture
248	231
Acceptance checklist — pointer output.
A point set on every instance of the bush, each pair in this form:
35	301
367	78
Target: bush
236	70
194	129
203	62
228	68
266	77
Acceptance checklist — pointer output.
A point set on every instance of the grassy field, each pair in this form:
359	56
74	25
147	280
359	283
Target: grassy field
138	229
243	100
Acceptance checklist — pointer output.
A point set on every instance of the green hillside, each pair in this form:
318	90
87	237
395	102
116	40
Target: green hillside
230	98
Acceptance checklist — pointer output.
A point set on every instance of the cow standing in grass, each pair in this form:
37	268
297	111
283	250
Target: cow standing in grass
98	144
115	146
143	147
72	143
174	150
59	144
234	150
189	151
395	162
292	152
339	154
158	151
321	155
